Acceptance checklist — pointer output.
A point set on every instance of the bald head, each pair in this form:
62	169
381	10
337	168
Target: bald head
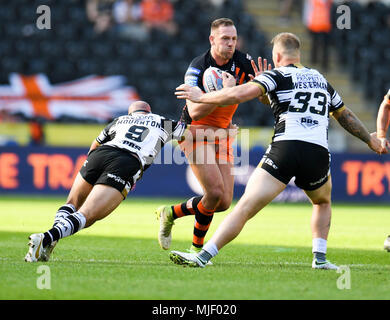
139	106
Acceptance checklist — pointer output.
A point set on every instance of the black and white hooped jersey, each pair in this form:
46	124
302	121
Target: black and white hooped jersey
142	134
301	100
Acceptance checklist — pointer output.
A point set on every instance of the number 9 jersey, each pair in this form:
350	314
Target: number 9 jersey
142	134
301	100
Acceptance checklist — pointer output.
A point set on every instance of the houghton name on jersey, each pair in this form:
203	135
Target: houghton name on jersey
141	134
301	100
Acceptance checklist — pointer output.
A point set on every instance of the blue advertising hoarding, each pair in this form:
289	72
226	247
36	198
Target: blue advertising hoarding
49	170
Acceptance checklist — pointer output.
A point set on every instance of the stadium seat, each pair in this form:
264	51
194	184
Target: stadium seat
101	49
141	69
367	22
129	50
381	39
76	49
66	31
176	52
87	66
37	65
52	48
6	48
11	64
72	48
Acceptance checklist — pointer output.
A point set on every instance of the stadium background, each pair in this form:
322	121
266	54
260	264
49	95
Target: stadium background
70	80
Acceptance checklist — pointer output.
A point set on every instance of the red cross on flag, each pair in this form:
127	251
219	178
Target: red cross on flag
96	98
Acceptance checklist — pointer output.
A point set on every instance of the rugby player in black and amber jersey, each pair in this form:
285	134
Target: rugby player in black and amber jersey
215	176
239	66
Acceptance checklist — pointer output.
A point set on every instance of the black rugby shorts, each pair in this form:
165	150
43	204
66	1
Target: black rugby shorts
112	166
309	163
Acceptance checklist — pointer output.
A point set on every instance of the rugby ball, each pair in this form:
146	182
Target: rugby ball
212	79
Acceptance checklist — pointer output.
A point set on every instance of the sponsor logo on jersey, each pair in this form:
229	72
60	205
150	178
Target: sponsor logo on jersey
191	80
131	145
248	56
309	81
308	122
192	70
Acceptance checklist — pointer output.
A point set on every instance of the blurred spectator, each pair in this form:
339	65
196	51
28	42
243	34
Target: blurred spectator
217	3
159	14
285	11
127	17
317	18
99	12
37	134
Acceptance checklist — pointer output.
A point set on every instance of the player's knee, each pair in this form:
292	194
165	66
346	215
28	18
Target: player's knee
224	203
322	201
215	194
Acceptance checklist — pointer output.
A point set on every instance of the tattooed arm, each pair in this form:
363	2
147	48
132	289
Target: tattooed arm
351	123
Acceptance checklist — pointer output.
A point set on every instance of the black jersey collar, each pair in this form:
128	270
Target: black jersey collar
226	66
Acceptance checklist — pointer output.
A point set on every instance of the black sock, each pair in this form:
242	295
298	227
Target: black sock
204	256
320	257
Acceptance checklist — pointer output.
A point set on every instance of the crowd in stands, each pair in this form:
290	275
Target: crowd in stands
132	19
364	50
152	42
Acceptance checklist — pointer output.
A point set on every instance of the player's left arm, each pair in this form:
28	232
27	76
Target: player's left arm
263	65
256	88
351	123
225	96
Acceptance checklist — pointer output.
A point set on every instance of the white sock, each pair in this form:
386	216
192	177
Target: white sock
319	245
64	211
71	224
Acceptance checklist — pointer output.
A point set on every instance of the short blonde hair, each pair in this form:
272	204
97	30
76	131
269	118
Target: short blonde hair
221	22
289	42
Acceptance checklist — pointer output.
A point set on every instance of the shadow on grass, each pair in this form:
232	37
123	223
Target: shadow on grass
91	249
100	267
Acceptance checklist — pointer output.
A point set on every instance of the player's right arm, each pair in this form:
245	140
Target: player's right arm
198	111
103	137
193	78
256	88
93	146
383	120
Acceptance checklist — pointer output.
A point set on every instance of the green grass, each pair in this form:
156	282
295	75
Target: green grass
119	257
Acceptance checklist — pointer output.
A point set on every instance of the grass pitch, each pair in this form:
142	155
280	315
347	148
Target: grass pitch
119	257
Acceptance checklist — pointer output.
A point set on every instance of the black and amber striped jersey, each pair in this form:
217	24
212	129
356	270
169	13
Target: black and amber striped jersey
301	100
239	66
142	134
